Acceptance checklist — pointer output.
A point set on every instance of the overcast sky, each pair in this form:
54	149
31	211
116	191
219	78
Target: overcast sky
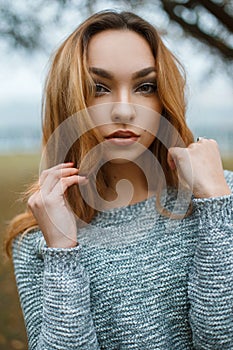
22	75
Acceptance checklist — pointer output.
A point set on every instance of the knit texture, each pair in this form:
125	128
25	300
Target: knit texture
137	280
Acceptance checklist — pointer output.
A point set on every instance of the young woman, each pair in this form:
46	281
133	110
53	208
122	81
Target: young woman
127	239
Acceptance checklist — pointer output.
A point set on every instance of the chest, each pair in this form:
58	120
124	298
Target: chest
153	271
139	290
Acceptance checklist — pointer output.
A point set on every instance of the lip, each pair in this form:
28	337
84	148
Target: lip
122	134
122	137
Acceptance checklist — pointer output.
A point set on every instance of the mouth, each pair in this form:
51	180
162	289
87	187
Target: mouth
122	137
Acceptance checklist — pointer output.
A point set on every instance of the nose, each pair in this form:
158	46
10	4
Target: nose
123	112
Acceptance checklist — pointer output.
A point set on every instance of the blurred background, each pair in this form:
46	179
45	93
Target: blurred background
200	33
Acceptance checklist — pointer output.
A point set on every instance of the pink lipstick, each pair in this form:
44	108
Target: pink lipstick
122	137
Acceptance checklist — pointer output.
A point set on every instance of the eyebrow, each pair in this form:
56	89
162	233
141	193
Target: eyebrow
105	74
144	72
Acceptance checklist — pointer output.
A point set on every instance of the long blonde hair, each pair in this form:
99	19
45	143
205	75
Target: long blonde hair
68	87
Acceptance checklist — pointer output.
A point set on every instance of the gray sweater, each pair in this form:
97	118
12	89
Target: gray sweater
137	280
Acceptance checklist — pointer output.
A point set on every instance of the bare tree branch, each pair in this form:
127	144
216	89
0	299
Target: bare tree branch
194	30
28	28
217	10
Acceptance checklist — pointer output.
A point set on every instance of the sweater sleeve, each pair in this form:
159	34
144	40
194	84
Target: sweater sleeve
54	294
211	278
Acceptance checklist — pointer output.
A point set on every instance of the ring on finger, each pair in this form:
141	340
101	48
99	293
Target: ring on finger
200	138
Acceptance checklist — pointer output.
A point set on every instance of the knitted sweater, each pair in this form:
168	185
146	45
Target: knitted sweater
137	280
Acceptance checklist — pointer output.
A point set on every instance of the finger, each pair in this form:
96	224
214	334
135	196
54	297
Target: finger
54	176
181	159
175	154
170	161
41	199
66	182
46	172
201	138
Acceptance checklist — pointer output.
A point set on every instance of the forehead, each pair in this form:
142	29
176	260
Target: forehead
119	50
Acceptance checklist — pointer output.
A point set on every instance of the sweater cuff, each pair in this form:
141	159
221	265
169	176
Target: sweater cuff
214	212
59	259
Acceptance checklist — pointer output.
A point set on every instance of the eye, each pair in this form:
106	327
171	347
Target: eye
100	89
147	88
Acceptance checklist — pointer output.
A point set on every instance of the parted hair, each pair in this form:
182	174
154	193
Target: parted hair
69	85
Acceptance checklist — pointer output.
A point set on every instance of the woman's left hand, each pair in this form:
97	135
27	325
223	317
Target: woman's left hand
200	166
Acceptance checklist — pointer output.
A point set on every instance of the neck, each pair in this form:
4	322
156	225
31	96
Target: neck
133	189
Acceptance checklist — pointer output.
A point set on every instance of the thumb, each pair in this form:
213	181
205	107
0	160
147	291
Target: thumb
172	157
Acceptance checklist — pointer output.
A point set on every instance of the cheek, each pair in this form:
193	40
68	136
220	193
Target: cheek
150	125
101	130
100	114
150	130
152	103
147	138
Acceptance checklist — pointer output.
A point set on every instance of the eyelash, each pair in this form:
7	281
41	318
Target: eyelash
152	85
98	93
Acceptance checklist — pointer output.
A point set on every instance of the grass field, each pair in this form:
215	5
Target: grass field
16	172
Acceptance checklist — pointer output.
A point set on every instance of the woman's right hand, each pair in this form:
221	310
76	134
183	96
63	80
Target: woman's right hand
51	210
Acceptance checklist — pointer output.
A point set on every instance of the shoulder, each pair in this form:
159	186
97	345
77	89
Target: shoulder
28	245
229	178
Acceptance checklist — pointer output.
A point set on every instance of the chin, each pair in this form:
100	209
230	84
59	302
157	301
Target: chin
123	157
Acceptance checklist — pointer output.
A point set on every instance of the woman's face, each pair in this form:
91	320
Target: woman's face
126	108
